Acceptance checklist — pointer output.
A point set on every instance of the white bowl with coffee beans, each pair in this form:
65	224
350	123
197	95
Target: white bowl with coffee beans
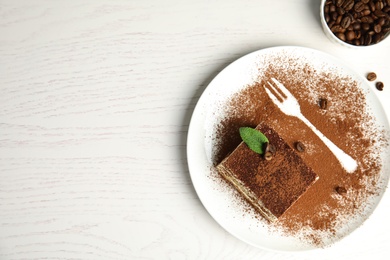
356	23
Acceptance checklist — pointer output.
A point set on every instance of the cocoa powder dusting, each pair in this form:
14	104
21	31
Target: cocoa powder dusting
345	121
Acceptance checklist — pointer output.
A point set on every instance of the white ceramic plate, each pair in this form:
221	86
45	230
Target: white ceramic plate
206	116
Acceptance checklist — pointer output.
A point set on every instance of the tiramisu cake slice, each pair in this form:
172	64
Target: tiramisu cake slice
271	185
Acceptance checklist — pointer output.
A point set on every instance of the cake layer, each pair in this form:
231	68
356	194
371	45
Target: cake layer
271	186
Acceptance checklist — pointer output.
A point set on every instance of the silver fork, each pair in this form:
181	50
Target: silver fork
289	105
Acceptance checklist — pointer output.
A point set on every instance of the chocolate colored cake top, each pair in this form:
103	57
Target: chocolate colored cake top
277	183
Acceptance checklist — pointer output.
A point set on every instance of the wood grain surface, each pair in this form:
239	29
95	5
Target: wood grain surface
95	102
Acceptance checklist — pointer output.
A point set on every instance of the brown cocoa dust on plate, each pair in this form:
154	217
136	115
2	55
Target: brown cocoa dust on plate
326	209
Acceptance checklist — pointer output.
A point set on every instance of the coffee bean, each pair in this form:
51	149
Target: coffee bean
380	13
359	6
345	22
371	4
348	4
334	15
367	39
341	36
268	156
377	28
365	12
337	29
340	10
356	26
367	19
381	21
350	35
332	8
371	76
356	42
339	18
341	190
327	18
379	5
361	40
365	1
379	85
326	9
300	146
358	35
365	26
323	103
377	38
339	2
270	148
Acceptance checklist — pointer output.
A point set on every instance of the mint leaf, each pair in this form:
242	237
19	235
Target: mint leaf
253	138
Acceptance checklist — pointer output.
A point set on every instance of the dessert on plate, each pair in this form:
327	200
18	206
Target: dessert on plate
270	183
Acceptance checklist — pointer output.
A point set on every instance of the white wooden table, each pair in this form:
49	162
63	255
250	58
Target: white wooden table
95	102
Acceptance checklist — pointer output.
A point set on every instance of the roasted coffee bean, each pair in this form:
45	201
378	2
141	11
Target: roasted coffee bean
379	85
338	20
365	1
300	146
385	30
346	22
270	148
358	34
367	39
371	76
341	36
327	18
350	35
358	7
361	40
365	26
380	13
379	5
339	2
371	4
334	15
340	10
367	19
323	103
348	4
381	21
377	28
377	38
356	42
365	12
326	9
337	29
341	190
268	156
356	26
332	8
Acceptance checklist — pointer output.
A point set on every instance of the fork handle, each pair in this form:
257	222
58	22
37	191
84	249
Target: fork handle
348	163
